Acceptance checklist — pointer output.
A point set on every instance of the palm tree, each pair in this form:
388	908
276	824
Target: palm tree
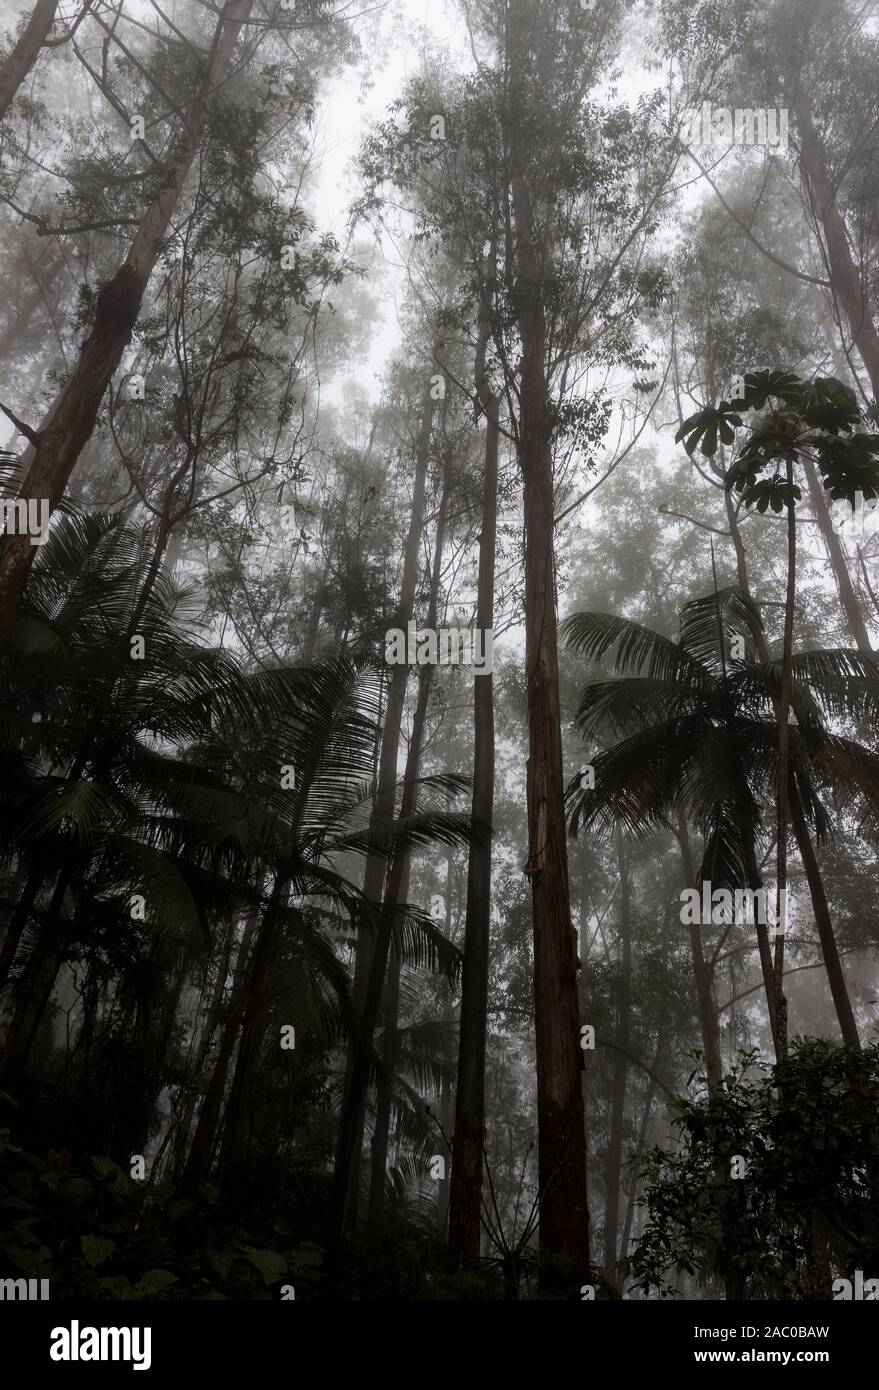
695	729
814	424
200	792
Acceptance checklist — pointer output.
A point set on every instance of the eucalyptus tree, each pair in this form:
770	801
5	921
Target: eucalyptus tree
818	60
54	447
34	36
547	199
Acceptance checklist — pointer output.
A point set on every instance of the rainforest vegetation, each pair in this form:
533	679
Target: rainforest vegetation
439	608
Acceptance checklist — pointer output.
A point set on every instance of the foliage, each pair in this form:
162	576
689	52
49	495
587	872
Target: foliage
806	1209
96	1234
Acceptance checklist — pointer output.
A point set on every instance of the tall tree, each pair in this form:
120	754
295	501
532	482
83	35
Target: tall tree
55	447
350	1139
15	68
465	1194
564	1211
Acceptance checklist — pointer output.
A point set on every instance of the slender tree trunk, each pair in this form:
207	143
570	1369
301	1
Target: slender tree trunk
398	890
198	1165
564	1217
141	1101
54	451
311	636
204	1039
821	910
658	1063
707	1011
838	563
563	1208
18	921
447	1120
845	278
465	1192
35	988
252	1036
772	986
384	1097
618	1103
764	948
564	1212
14	70
349	1144
782	784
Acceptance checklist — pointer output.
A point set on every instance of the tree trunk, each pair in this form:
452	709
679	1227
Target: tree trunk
707	1011
829	950
140	1102
35	987
198	1165
447	1120
658	1063
782	783
465	1191
771	984
349	1145
54	452
844	587
204	1038
845	278
397	891
564	1213
18	922
14	70
618	1104
384	1097
252	1036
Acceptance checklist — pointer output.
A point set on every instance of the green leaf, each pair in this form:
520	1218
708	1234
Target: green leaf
154	1281
308	1256
110	1173
96	1249
270	1265
28	1260
117	1287
221	1261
